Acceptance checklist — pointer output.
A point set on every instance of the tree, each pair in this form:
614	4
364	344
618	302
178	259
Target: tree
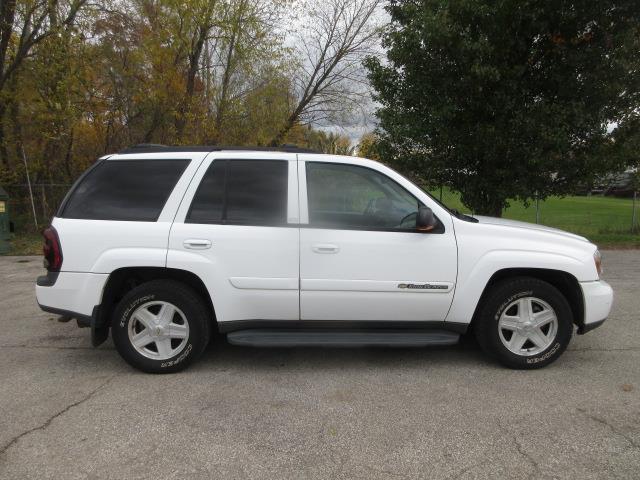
247	64
25	24
332	43
368	146
328	142
507	100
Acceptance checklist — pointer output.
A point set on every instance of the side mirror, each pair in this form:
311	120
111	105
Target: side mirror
425	220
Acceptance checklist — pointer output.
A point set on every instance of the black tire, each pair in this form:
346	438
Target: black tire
186	300
496	302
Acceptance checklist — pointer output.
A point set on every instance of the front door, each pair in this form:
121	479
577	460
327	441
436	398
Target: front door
361	258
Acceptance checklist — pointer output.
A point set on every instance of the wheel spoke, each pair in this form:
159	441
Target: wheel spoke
540	319
145	317
510	323
142	339
165	316
539	338
517	340
164	347
177	331
524	309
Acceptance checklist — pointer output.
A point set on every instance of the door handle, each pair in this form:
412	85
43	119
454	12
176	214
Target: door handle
197	244
325	248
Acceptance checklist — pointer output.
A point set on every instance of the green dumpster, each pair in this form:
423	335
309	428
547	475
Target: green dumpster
5	230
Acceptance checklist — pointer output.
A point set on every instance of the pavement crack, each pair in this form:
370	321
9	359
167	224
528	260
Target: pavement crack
523	452
604	422
48	422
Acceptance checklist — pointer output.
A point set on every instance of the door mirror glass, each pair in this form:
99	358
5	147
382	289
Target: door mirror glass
425	220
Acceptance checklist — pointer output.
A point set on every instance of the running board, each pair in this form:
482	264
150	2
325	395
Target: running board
341	338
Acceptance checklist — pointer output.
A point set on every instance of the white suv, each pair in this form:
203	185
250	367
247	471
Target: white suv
167	246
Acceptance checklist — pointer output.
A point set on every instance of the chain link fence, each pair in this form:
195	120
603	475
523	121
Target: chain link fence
46	199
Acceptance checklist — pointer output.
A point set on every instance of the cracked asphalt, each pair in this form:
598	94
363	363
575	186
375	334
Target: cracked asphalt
70	411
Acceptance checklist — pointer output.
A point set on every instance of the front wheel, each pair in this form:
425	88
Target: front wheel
525	323
161	326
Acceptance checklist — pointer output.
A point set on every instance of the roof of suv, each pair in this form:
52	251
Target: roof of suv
157	148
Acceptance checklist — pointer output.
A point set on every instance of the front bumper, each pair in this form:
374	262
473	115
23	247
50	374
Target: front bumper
598	299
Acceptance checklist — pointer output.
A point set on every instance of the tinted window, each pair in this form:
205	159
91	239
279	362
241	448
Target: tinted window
208	202
349	196
242	192
125	190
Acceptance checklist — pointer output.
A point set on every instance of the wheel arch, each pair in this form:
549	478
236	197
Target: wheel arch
123	280
565	282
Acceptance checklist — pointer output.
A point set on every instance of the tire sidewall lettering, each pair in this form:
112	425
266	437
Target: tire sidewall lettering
132	306
503	305
179	359
548	354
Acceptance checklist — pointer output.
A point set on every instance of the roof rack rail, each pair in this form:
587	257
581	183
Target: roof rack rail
159	148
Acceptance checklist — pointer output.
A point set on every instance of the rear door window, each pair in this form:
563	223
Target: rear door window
242	192
134	190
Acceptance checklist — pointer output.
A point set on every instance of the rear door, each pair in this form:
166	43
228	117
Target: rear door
237	229
361	258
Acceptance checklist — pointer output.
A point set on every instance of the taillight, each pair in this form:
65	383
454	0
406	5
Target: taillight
52	250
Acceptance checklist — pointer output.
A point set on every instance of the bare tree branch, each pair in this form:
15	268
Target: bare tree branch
332	44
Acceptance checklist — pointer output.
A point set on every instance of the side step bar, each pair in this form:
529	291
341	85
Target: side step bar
341	338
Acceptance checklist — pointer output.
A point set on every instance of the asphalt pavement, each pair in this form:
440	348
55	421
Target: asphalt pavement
70	411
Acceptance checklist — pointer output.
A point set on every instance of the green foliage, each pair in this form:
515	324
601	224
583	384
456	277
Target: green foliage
509	99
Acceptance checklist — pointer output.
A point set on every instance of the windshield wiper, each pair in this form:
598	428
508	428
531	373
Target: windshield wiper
463	216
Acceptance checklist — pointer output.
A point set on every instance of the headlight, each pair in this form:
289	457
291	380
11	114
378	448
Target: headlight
597	258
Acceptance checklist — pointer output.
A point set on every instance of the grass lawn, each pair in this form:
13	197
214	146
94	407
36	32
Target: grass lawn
605	221
26	244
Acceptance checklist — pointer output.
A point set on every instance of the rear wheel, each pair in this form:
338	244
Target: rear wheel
525	323
161	326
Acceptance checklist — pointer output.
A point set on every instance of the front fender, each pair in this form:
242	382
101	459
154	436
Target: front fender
474	277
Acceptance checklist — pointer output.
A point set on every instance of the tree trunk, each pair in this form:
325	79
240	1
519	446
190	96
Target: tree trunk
279	138
226	78
194	62
496	212
490	209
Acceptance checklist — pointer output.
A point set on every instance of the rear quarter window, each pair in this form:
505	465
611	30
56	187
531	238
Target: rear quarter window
133	190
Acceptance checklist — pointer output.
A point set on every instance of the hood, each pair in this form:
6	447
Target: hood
531	226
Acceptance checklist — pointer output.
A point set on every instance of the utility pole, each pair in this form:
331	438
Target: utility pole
33	204
633	212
